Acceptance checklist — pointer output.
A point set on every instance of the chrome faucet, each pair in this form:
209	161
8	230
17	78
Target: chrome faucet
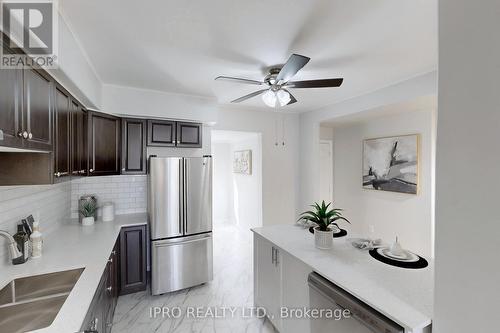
13	250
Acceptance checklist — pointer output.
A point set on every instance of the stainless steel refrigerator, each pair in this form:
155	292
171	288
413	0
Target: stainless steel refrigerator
180	217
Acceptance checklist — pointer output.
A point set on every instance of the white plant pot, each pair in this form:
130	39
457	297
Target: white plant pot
88	221
323	239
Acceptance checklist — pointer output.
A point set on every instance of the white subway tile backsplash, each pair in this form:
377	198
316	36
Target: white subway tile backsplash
128	193
51	202
57	202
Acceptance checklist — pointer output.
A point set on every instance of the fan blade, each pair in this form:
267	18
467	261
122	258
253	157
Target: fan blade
238	80
292	98
292	66
325	83
244	98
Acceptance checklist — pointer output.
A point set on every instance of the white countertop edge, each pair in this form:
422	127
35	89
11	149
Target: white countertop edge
403	313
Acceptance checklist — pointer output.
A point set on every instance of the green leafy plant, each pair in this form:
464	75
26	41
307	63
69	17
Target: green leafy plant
88	209
322	216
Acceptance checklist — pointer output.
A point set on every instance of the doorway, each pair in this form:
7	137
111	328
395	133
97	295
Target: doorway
237	179
326	170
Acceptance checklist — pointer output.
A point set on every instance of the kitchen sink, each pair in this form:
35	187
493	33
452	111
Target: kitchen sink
33	302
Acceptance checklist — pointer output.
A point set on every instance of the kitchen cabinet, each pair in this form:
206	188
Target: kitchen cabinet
78	140
133	146
280	281
11	91
37	113
103	144
189	135
99	318
267	279
161	133
25	109
62	141
133	259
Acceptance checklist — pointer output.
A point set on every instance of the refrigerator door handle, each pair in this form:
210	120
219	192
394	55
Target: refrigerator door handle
186	191
181	197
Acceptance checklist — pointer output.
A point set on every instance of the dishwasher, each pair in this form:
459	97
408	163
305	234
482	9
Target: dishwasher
324	294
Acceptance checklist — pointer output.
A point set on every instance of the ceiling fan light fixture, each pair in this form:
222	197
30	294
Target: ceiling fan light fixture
283	97
269	98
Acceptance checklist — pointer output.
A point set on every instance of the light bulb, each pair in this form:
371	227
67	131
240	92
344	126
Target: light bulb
283	97
269	97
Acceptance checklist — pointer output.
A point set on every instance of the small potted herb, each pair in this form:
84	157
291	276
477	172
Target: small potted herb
88	210
325	219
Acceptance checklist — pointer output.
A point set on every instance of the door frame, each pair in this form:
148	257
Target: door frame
330	144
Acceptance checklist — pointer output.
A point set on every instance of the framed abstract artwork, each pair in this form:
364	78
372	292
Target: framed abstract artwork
242	162
391	163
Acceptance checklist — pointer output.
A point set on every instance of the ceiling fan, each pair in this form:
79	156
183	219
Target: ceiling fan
277	83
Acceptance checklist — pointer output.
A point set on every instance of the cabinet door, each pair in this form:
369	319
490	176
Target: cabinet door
78	137
133	146
11	90
267	279
104	144
161	133
132	259
37	109
189	135
295	292
62	139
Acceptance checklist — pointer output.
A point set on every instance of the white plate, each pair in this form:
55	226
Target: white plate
406	256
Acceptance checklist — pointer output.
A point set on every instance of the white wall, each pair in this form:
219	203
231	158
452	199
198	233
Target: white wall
467	286
75	72
410	217
148	103
410	89
280	168
223	194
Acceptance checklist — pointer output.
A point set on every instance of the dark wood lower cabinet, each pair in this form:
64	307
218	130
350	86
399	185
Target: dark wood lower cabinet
133	277
99	318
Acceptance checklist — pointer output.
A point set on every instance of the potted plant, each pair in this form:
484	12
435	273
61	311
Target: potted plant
88	210
325	219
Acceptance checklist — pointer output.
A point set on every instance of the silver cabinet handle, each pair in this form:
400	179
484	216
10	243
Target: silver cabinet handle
123	169
81	171
20	134
113	252
91	170
109	289
272	255
110	260
23	134
30	135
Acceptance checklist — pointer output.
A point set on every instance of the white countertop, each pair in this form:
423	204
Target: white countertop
71	246
404	295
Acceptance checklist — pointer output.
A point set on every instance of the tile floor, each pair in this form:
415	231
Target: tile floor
232	288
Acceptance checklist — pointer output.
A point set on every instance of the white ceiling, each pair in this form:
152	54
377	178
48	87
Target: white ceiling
181	46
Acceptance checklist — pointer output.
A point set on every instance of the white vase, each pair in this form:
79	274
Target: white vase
88	221
323	239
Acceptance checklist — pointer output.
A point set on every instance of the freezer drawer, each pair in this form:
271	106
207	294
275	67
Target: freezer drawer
181	263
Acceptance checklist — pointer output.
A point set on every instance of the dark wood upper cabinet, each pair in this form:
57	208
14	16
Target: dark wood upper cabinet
161	133
62	139
11	91
79	140
37	117
189	135
132	259
133	146
103	144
